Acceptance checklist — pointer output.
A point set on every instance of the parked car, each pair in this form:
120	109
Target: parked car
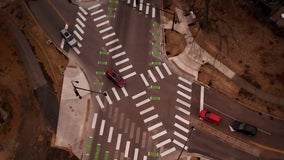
244	128
210	117
115	77
68	37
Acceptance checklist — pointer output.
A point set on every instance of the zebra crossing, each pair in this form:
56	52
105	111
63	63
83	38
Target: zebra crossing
143	7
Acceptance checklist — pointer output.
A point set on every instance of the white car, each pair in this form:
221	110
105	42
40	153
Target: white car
69	37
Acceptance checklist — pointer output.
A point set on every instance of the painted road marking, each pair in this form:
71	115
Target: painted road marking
163	143
125	68
122	61
78	35
76	50
79	44
147	8
99	18
96	12
81	16
182	119
139	95
126	149
118	141
168	151
112	42
115	48
152	76
66	26
103	23
167	69
83	10
201	98
185	80
151	118
143	102
155	126
118	55
183	102
94	120
180	135
144	157
106	29
80	22
109	35
147	110
184	111
137	137
184	95
144	79
180	144
132	129
79	28
136	154
143	141
181	127
108	99
109	138
62	43
134	4
124	91
94	6
129	75
100	102
159	134
153	12
102	127
128	1
140	5
184	87
115	93
159	72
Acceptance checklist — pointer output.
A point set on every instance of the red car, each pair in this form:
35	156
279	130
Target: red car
210	117
115	77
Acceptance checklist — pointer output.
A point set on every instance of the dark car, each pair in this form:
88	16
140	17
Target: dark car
210	117
244	128
115	77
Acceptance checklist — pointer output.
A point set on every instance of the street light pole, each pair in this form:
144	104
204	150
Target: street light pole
75	88
192	129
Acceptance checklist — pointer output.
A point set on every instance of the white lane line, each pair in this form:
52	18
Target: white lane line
184	87
152	76
182	119
143	102
79	44
66	26
129	75
184	95
136	154
183	102
184	111
159	72
81	16
147	110
112	42
99	18
159	134
102	127
109	35
94	6
108	99
155	126
100	102
144	157
114	48
141	5
180	144
168	151
153	12
94	120
97	12
201	98
139	94
125	68
76	50
83	10
147	8
103	23
118	55
151	118
167	69
124	91
163	143
185	80
128	1
134	4
180	135
115	93
181	127
79	29
62	43
122	61
144	79
109	138
106	29
78	35
126	152
80	22
118	141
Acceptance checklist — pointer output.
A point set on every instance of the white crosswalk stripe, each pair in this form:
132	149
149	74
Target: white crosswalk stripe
143	102
183	102
180	135
83	10
150	118
100	101
124	91
184	87
147	110
181	127
159	145
159	72
168	151
139	94
94	6
103	23
152	76
182	119
129	75
185	80
108	99
144	80
97	12
184	95
115	93
118	55
81	16
184	111
159	134
180	144
108	36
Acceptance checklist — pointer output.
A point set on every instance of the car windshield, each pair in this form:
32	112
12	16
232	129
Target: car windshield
207	114
116	77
